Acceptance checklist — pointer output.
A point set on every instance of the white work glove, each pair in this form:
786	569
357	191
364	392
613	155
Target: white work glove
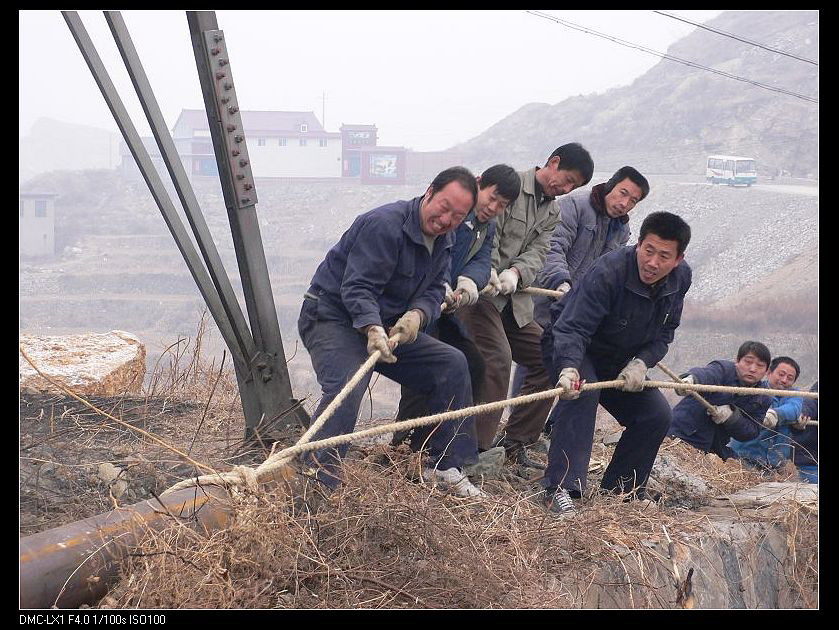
802	423
377	340
770	420
563	288
493	286
720	414
634	374
689	379
509	281
466	292
569	380
407	327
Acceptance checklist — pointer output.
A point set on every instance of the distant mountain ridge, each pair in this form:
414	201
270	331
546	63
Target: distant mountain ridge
669	119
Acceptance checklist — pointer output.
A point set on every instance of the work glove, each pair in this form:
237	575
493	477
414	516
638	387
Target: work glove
493	286
466	292
407	327
770	420
634	374
563	288
685	379
720	414
569	381
377	340
508	281
802	423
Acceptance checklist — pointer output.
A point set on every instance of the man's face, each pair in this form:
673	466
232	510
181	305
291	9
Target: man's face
556	181
622	198
750	369
490	204
443	211
656	258
782	377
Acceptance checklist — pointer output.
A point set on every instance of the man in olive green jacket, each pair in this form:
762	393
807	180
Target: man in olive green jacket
501	322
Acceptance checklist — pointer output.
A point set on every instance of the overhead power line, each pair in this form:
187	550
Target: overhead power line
738	38
686	62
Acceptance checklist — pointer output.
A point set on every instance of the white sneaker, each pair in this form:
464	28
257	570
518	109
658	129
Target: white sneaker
452	480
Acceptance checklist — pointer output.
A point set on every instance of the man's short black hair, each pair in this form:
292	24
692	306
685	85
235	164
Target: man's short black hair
789	361
505	177
627	172
459	174
757	349
574	157
667	226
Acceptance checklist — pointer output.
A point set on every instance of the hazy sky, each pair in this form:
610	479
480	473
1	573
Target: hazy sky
427	79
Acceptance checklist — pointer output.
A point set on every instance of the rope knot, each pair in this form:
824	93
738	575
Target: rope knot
246	476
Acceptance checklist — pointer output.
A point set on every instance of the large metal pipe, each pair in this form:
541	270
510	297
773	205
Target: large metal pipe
74	564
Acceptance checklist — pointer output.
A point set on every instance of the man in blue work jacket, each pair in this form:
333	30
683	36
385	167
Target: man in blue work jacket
498	187
376	290
772	446
735	415
615	323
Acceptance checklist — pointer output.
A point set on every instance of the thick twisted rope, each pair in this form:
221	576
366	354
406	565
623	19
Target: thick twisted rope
678	379
275	461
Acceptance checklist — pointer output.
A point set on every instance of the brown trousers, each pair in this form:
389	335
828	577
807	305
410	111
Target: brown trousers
501	341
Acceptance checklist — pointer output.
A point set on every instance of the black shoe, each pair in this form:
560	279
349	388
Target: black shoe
399	437
521	458
557	501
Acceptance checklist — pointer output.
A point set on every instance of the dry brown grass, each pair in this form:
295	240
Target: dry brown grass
384	541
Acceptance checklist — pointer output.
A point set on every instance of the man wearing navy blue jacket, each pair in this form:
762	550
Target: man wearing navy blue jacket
615	323
385	279
498	187
735	415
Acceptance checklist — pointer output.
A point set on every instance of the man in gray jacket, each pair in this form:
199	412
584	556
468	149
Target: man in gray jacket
501	322
592	223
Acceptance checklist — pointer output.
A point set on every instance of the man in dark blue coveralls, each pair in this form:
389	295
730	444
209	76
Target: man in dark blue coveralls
498	187
735	415
387	273
615	323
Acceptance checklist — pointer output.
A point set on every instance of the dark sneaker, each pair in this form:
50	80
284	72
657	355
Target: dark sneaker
558	501
517	454
521	458
400	436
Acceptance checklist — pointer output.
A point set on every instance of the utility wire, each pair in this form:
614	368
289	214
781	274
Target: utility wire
692	64
739	39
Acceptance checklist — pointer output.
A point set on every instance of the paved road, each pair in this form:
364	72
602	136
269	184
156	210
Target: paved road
789	189
810	191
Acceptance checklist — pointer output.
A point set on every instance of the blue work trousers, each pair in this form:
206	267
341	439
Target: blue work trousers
809	473
646	416
427	366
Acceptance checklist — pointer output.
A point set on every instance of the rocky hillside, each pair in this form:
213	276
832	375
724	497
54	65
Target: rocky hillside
669	119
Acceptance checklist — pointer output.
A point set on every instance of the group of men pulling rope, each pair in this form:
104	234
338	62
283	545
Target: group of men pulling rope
436	294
